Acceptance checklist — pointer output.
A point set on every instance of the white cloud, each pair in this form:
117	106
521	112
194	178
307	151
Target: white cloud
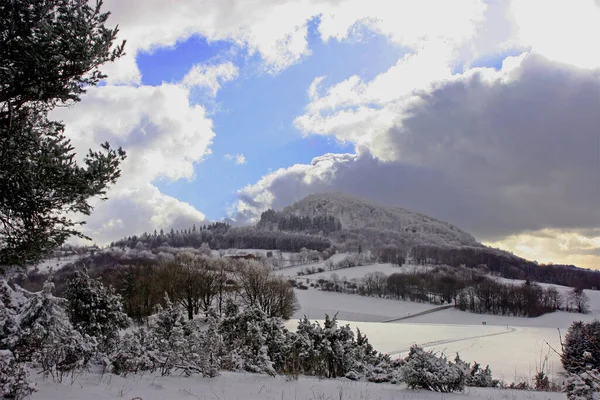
277	29
564	31
210	76
164	136
239	159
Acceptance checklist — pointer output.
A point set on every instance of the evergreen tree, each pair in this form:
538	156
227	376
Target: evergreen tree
50	52
168	339
45	335
131	355
14	378
581	348
95	310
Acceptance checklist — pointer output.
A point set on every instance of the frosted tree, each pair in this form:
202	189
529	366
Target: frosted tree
44	335
131	354
14	378
169	344
205	346
95	310
425	370
205	250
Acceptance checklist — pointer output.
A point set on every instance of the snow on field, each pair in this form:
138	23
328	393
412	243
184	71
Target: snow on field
293	271
315	304
559	319
514	347
56	263
238	386
360	272
513	353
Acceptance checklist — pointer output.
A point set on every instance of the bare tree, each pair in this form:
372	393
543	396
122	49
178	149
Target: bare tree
260	288
578	301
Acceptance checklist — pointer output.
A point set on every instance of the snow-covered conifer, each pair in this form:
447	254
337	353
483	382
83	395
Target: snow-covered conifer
45	335
14	378
95	310
131	355
584	385
169	344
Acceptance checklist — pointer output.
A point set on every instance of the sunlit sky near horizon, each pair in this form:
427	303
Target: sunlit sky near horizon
482	113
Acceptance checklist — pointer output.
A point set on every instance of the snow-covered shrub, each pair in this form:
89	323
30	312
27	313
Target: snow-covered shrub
205	345
14	378
131	355
332	351
479	377
252	340
95	310
425	370
10	306
44	335
168	344
583	386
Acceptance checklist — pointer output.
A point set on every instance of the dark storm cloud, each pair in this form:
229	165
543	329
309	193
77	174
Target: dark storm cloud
494	158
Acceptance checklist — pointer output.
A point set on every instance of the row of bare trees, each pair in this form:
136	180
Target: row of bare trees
467	290
198	284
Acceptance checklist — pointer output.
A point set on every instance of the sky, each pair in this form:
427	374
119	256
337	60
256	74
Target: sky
482	113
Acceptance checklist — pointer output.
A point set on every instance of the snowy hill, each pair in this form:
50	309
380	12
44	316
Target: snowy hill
355	213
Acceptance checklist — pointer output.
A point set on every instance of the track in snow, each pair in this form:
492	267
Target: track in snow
446	341
441	308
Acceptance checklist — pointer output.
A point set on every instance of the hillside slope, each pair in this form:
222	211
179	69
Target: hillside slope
355	213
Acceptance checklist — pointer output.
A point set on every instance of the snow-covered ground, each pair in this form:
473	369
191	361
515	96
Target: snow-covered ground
237	386
514	347
315	304
360	272
293	271
44	266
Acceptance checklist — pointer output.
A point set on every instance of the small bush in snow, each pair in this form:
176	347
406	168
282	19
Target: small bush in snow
131	356
425	370
14	378
475	375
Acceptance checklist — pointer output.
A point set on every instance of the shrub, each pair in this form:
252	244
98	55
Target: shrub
425	370
14	378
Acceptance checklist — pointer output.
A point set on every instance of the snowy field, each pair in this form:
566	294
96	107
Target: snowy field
514	347
238	386
360	272
315	304
293	271
56	263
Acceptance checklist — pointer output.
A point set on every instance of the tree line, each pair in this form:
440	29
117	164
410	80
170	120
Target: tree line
506	265
225	237
271	219
468	291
